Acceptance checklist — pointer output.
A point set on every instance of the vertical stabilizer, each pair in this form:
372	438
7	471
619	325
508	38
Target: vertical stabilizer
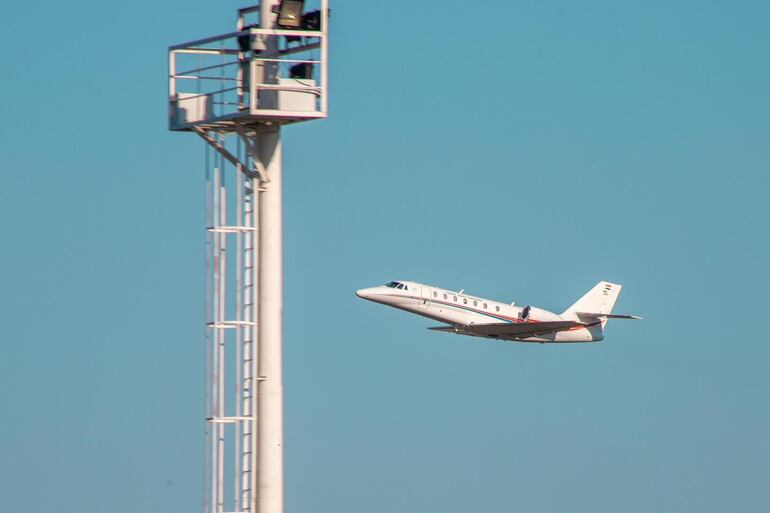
599	300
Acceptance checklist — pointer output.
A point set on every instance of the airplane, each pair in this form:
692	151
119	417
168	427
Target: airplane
464	314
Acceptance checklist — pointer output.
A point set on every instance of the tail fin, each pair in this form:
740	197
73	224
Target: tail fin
597	302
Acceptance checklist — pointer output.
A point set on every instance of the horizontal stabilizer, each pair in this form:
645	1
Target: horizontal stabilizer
443	328
606	316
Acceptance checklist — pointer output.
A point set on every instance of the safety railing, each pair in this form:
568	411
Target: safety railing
250	76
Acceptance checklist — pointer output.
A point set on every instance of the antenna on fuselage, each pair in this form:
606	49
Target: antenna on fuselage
461	291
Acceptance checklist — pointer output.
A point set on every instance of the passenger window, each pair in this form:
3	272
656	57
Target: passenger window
475	303
485	306
465	300
497	308
454	298
444	296
435	294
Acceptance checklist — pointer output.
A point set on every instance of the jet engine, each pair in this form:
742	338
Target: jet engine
538	314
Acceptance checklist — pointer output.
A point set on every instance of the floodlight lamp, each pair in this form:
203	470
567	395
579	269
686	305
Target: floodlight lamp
290	13
303	70
311	20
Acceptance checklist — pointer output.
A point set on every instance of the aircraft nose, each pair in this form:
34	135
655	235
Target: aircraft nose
364	293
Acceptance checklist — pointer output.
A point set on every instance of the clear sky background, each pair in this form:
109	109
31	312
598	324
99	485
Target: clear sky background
520	150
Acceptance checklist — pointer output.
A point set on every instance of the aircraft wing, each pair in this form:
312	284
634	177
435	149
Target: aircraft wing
509	330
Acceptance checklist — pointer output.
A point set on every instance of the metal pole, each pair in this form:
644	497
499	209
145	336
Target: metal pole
267	72
221	383
214	370
208	434
324	56
254	346
240	329
250	356
270	403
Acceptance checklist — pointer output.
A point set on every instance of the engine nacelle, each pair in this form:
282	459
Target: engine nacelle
538	314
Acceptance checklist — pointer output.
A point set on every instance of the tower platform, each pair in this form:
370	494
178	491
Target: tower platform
254	76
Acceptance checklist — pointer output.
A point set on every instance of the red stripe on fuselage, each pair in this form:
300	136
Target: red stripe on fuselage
496	316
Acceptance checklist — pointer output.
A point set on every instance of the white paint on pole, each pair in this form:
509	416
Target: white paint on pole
270	387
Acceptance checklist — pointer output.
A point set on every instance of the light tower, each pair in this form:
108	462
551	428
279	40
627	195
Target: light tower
236	91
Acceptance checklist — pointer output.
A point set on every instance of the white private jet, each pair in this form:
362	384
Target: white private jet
478	317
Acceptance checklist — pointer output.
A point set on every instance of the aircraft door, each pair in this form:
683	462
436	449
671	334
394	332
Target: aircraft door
424	301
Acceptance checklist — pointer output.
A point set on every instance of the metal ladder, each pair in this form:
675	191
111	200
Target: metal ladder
231	337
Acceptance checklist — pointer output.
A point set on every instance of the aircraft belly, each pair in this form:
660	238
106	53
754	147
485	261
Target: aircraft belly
559	337
581	335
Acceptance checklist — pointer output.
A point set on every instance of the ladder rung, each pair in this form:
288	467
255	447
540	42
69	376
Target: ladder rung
228	420
230	324
230	229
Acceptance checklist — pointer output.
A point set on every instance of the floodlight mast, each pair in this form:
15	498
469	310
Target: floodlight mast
236	91
270	389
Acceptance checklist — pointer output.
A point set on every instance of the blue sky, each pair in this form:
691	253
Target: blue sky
523	153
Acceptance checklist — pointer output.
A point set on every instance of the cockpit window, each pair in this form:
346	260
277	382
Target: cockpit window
400	286
393	284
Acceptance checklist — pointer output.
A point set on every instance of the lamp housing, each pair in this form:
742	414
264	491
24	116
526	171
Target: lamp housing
290	14
303	70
